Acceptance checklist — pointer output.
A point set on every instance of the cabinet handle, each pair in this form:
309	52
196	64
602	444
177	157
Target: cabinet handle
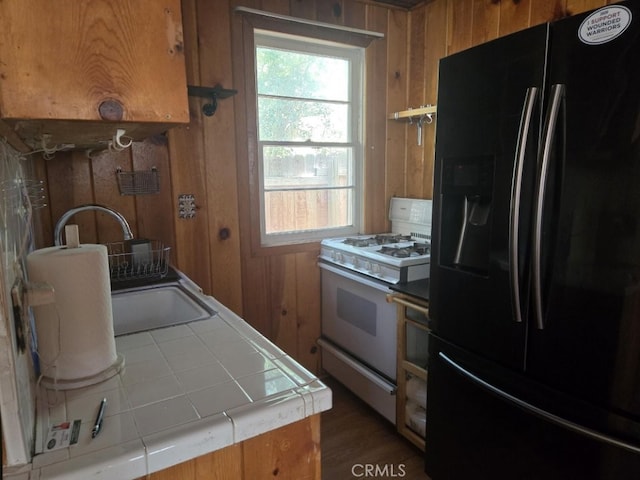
406	303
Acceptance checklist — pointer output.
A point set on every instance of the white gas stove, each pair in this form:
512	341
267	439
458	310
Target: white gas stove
359	328
400	256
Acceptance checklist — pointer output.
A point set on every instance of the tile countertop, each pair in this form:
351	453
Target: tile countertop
186	390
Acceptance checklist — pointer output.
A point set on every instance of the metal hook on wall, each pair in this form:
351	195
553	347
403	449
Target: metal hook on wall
428	117
211	93
423	119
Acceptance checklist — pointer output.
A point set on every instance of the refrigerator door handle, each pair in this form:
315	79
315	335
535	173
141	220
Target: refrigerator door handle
516	191
548	416
557	94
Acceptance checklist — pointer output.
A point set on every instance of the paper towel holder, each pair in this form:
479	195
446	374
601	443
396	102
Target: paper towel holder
72	236
78	280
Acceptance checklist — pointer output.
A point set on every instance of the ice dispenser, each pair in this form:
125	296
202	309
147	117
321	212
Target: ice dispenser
466	213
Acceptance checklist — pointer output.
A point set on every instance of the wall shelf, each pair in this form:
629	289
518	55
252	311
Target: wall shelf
419	116
411	113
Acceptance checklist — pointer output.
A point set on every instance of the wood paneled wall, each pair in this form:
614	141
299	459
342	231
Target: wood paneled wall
442	27
78	177
279	293
282	286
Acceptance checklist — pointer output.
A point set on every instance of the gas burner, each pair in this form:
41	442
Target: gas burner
358	242
422	248
406	251
381	239
392	238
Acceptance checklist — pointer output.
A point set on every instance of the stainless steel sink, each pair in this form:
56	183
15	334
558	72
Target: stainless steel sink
156	307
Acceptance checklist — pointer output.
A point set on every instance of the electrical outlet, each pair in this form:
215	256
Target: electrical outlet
186	206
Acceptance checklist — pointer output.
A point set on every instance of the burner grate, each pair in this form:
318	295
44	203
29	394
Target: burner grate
381	239
406	251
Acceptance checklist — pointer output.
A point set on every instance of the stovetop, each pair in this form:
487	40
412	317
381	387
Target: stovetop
394	257
390	262
387	247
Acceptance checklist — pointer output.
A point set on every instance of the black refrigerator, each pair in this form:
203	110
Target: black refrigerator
534	366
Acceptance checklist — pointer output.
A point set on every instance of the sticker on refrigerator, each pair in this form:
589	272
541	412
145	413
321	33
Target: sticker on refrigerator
604	25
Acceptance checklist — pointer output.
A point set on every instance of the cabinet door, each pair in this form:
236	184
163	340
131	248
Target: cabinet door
95	60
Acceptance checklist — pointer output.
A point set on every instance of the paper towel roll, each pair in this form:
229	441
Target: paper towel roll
76	345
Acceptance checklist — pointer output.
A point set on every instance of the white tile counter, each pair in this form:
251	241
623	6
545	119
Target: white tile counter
186	390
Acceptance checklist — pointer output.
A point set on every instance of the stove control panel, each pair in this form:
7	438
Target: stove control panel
411	210
391	270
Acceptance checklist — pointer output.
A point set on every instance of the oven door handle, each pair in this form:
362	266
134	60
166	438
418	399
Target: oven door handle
382	383
356	277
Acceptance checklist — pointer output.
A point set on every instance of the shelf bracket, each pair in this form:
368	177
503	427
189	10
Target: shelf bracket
213	94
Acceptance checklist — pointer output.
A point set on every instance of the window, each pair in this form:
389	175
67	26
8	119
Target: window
309	115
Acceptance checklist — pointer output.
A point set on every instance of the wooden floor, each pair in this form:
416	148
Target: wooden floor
354	436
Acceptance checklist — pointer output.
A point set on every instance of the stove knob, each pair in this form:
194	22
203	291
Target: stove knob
375	269
339	257
356	262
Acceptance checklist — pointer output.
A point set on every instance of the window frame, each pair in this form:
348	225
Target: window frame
355	55
246	21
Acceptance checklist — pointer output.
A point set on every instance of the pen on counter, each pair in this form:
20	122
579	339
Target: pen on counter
98	425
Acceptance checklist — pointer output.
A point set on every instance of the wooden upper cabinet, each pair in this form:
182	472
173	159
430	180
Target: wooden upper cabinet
75	71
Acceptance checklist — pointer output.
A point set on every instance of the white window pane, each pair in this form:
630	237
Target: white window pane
301	121
309	137
305	167
293	211
294	74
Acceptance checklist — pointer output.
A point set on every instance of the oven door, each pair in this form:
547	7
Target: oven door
357	317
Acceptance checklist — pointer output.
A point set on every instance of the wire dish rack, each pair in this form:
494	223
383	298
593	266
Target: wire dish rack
150	262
